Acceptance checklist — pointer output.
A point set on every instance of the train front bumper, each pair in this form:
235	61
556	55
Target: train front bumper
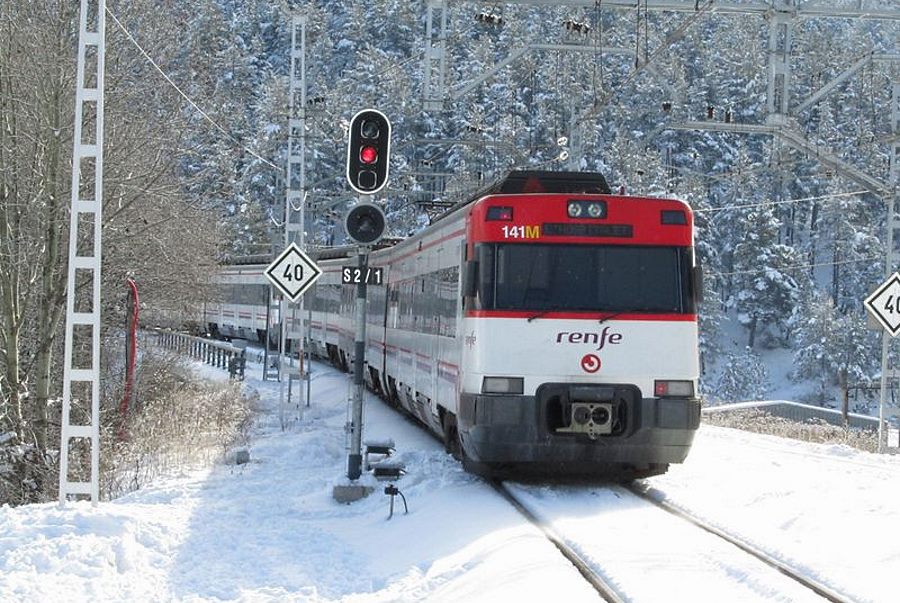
540	431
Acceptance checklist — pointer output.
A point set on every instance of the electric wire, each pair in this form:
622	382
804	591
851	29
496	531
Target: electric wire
782	202
796	267
190	101
666	43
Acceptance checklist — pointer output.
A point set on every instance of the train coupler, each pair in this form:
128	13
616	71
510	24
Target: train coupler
591	418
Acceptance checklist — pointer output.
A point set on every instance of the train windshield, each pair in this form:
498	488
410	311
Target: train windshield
590	278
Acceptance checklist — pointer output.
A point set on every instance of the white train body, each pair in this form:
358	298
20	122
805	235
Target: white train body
530	338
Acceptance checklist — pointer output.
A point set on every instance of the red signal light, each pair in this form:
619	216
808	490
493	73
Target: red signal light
368	154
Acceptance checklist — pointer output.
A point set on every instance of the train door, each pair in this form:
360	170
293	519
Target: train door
346	326
405	342
392	324
427	314
376	335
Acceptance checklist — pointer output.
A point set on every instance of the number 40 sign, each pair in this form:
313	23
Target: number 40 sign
293	272
884	304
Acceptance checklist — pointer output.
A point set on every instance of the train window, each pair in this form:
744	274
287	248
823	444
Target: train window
486	281
585	278
375	307
447	290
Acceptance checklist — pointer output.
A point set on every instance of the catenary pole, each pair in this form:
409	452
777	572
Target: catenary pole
81	368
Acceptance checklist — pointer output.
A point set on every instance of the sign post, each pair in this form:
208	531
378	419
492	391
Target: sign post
293	272
884	305
354	462
368	154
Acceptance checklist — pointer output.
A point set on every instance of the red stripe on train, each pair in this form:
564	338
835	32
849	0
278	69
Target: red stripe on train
610	316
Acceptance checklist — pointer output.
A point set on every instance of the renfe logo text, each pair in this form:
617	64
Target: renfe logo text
601	338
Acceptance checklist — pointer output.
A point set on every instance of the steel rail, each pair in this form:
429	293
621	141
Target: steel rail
656	498
607	592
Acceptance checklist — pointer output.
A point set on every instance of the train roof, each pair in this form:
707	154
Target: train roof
538	181
519	182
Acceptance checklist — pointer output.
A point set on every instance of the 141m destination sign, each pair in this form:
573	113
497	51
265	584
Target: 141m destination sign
354	276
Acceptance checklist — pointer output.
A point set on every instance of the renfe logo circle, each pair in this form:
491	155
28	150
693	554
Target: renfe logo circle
590	363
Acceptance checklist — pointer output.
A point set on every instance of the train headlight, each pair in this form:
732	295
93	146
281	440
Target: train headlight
673	389
600	415
586	208
503	385
581	414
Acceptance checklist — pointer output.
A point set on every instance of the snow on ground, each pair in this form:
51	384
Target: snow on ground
640	549
826	508
271	531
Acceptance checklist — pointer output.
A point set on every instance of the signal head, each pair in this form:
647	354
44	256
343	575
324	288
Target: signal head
368	151
365	223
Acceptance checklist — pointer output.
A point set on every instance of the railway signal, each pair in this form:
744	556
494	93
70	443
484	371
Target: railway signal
368	151
364	223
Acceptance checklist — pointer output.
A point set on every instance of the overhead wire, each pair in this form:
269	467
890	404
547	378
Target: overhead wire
700	10
513	85
374	77
669	40
184	95
782	202
788	201
796	267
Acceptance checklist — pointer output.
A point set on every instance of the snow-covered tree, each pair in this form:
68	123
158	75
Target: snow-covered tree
741	377
833	349
767	289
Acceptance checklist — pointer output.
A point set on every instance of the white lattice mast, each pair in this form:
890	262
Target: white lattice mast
435	54
779	64
81	371
295	201
887	372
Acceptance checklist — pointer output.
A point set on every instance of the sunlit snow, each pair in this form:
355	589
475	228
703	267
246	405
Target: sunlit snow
271	530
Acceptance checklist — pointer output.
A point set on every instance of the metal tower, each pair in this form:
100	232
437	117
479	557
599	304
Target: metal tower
81	371
435	54
294	207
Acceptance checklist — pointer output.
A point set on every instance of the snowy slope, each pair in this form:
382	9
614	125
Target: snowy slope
271	531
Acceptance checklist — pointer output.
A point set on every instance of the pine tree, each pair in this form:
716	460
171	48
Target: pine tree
767	289
833	349
741	377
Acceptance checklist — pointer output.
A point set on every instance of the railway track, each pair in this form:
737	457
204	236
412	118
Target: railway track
658	499
659	544
603	588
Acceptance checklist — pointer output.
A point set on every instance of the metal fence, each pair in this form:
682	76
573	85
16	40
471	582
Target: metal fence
214	353
803	413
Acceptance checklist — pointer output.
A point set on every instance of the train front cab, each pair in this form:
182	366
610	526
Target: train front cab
580	342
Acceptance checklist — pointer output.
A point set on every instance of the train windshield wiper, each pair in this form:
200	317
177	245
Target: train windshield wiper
539	314
618	313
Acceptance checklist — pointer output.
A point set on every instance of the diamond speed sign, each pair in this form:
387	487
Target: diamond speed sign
293	272
884	304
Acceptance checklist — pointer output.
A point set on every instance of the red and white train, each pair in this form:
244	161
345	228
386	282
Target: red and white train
543	327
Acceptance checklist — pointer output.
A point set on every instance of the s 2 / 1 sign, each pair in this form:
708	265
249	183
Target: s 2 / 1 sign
355	276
